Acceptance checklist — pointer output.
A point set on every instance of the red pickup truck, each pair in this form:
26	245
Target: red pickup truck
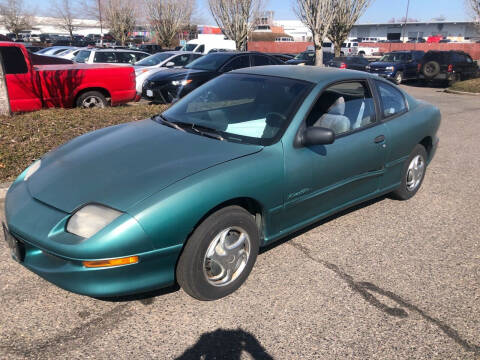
33	85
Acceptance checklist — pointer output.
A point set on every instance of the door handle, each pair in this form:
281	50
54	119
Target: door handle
379	139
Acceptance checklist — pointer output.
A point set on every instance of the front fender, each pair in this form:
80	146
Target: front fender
170	216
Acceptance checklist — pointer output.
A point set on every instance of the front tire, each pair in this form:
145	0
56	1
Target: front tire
219	255
413	174
398	79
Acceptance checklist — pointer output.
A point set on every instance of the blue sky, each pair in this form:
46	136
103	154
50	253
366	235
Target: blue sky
379	11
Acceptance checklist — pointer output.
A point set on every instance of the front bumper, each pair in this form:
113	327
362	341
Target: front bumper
160	93
384	74
57	257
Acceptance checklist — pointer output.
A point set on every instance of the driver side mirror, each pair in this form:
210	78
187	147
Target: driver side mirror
317	136
170	64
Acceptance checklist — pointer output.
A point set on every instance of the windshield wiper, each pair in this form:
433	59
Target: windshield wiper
207	131
169	123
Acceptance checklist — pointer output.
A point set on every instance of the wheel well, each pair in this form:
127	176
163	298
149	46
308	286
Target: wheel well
249	204
427	143
100	90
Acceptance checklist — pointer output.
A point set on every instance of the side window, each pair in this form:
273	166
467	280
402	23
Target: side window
392	100
104	57
259	60
82	56
237	63
201	49
125	58
343	108
14	61
469	59
194	57
181	60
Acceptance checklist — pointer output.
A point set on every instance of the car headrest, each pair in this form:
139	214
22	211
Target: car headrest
338	107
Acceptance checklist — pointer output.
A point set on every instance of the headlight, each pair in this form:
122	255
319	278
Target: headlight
90	219
181	82
368	67
389	68
32	169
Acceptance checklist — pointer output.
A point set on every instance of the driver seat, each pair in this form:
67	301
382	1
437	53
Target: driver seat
335	118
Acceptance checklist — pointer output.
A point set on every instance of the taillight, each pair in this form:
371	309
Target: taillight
419	67
343	66
450	68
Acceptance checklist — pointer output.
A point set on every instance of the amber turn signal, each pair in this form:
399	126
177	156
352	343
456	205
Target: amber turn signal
111	262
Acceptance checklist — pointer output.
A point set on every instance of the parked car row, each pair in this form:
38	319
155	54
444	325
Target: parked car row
35	81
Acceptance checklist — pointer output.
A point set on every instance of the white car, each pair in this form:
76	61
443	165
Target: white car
109	56
162	61
69	54
54	50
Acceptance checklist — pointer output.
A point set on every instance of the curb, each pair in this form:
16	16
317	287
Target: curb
461	92
3	190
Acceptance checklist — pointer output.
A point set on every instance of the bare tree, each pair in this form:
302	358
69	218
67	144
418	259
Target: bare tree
236	18
15	17
64	10
318	16
168	17
94	9
120	17
347	13
474	8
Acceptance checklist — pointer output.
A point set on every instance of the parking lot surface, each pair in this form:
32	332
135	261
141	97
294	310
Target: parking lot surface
386	280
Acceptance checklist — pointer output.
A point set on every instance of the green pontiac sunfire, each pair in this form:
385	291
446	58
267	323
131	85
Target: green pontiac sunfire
190	195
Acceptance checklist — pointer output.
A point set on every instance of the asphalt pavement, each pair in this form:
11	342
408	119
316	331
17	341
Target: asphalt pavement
385	280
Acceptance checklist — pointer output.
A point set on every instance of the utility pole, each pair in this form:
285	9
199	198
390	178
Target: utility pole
405	23
101	22
4	99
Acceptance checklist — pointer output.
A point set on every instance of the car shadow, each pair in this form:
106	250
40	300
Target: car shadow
321	222
225	344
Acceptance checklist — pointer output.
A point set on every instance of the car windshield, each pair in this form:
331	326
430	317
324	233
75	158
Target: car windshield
209	62
155	59
305	55
250	109
393	58
189	47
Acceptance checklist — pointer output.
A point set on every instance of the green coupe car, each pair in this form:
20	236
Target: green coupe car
189	196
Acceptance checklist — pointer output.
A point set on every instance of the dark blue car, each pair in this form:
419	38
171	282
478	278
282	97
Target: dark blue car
398	66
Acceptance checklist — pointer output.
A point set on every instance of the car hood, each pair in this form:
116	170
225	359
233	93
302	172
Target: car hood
124	164
172	74
382	65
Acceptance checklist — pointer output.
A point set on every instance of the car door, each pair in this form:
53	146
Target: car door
324	178
23	90
400	126
410	67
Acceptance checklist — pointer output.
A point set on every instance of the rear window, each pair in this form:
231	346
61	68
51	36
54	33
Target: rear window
441	57
14	61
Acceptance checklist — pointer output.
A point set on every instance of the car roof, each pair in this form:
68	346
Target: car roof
312	74
118	50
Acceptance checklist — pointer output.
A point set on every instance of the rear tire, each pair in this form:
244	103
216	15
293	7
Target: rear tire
92	99
413	174
215	260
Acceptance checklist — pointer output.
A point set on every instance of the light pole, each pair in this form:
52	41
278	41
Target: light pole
405	23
